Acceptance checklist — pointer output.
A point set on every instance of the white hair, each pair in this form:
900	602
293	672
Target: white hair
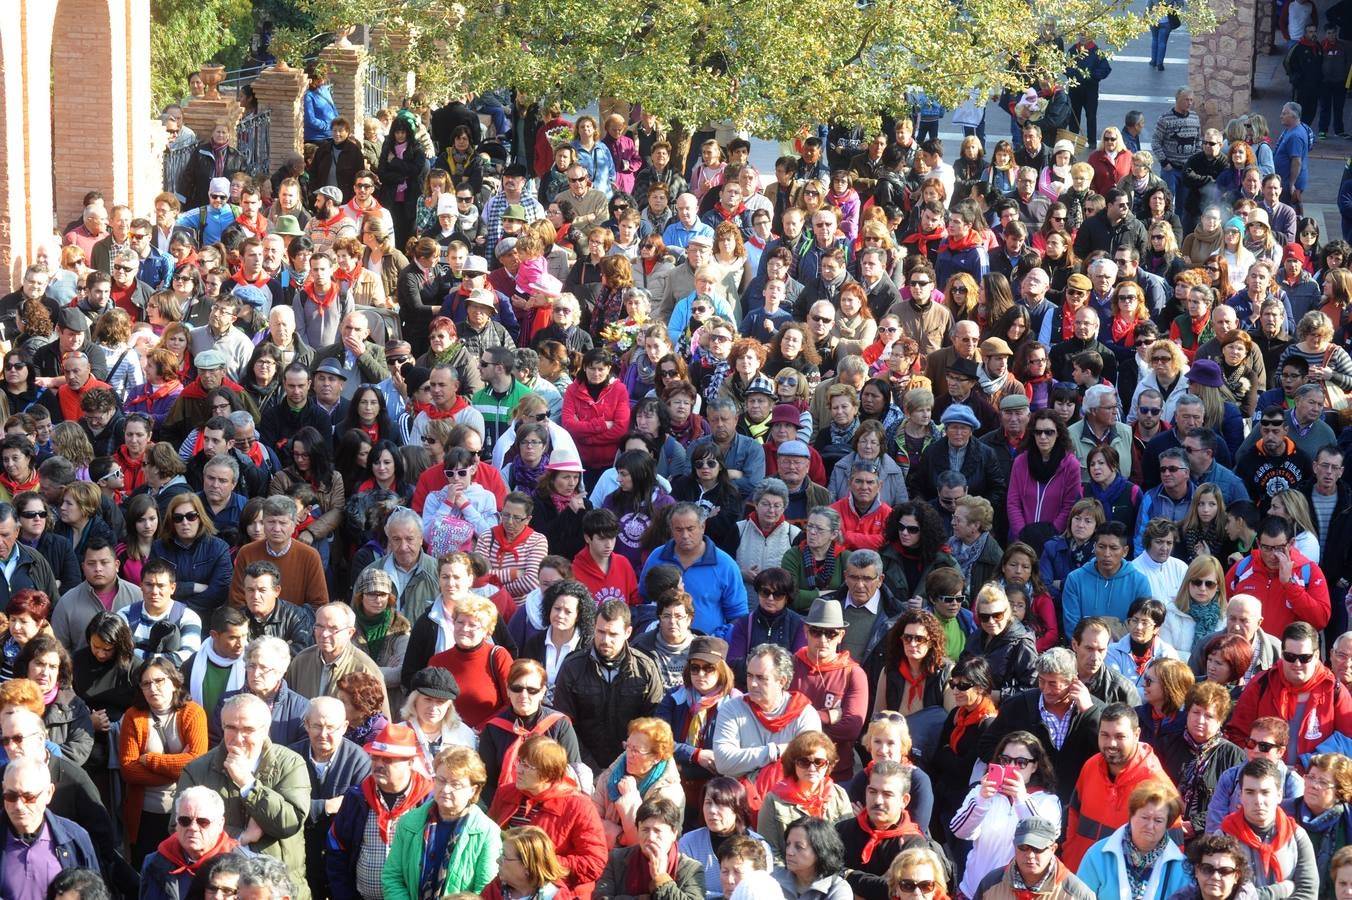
212	806
345	612
322	703
273	647
1105	265
285	312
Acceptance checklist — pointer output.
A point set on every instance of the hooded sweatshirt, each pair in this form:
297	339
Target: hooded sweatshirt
1088	592
619	583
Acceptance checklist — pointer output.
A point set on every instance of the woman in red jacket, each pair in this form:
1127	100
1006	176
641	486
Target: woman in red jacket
596	412
545	795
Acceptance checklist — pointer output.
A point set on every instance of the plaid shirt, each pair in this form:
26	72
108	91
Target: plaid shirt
497	205
1058	728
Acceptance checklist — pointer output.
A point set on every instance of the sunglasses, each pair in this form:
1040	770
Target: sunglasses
33	514
787	381
822	632
1149	410
1262	746
581	180
907	886
707	463
702	669
458	473
915	638
1301	658
919	282
961	685
1044	432
1207	583
992	616
25	796
185	517
812	762
187	821
1021	762
225	196
526	689
949	598
1209	869
824	320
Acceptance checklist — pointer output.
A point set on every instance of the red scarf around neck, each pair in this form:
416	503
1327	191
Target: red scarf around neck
258	227
915	684
414	795
842	661
262	280
327	300
754	519
790	790
16	488
904	828
638	875
968	716
775	724
519	733
970	242
1238	827
458	406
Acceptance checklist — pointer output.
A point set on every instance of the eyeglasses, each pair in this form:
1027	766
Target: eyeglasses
458	473
1172	469
25	796
827	633
702	669
707	462
1019	762
720	338
812	762
1223	871
124	269
525	689
15	740
427	439
992	616
915	638
630	748
824	320
364	186
222	890
1029	848
187	821
510	517
1263	746
1076	292
1297	658
1272	548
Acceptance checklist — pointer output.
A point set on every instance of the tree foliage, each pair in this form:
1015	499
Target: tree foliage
765	65
184	34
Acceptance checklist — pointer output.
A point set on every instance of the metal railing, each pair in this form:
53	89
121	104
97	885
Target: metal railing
238	78
375	93
252	139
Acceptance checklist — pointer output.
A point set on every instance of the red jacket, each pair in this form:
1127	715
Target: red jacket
1304	598
862	532
1269	694
573	825
620	583
585	419
1099	804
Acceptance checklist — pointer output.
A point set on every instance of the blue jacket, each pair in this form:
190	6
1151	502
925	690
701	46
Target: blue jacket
209	223
1345	202
1088	593
600	165
320	111
344	842
1120	661
207	562
288	717
348	767
1104	871
1232	489
1057	563
1155	503
673	709
70	843
1225	799
714	583
973	261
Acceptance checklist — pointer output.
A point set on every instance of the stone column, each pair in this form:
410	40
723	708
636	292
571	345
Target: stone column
347	76
281	91
1221	66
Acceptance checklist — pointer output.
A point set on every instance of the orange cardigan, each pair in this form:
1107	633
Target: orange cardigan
157	768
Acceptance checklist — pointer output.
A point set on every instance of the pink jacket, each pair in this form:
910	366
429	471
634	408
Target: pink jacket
1029	501
585	419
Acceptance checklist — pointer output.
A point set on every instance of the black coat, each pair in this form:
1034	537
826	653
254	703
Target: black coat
602	709
346	161
1011	655
494	741
979	466
394	171
201	168
1020	713
349	767
420	299
868	880
1097	233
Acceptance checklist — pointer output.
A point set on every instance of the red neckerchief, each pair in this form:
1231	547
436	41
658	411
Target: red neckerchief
519	734
729	216
638	874
1238	827
171	849
972	241
195	391
1287	692
922	240
1124	332
842	661
915	684
358	212
238	278
417	792
814	804
16	488
775	724
371	431
329	224
329	298
754	241
459	405
341	274
507	544
1144	659
903	828
755	521
1067	326
1198	324
133	470
258	227
968	716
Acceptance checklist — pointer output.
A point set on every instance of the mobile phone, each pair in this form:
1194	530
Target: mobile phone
997	773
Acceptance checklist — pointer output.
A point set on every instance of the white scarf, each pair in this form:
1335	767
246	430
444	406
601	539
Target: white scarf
199	671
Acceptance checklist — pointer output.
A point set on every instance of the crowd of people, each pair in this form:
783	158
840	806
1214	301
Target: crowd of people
525	507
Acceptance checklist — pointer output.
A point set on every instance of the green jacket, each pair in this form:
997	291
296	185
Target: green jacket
279	801
803	596
474	858
687	885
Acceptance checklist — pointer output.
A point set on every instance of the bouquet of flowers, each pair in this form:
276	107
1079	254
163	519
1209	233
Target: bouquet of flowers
559	136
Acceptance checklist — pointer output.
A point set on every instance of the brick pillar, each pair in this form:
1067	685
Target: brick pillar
1221	65
347	74
281	91
202	116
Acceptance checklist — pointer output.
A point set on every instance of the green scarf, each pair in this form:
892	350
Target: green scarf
374	629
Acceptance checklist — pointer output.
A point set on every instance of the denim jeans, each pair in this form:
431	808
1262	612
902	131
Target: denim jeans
1159	41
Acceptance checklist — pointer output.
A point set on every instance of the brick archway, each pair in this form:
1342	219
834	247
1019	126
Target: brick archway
84	136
